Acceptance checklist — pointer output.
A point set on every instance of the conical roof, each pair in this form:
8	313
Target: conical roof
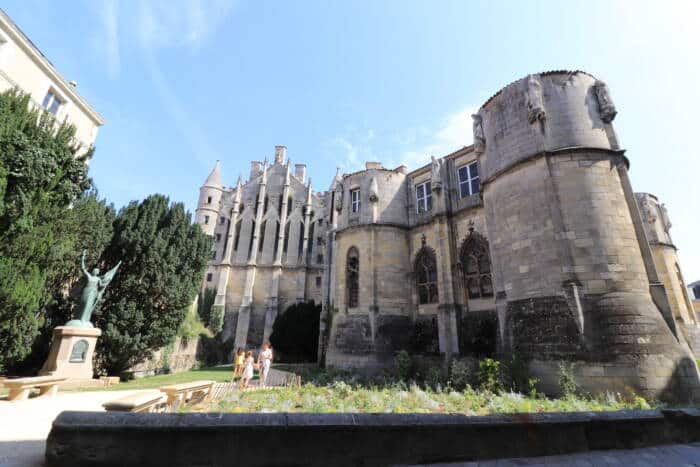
214	178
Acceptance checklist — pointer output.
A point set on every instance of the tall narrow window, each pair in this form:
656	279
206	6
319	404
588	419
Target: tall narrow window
426	276
250	245
208	199
285	242
279	205
261	240
52	102
355	200
424	198
290	205
310	245
218	238
238	235
266	202
468	180
476	266
222	220
301	239
352	277
277	236
206	220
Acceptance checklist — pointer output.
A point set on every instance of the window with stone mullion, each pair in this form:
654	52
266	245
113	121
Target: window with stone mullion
426	278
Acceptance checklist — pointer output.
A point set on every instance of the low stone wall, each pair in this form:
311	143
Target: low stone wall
125	439
180	356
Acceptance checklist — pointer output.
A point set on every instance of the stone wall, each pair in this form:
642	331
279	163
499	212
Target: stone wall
182	355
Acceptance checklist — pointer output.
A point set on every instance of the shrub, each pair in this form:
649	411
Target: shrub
567	382
433	378
516	375
404	365
490	375
216	319
191	327
459	375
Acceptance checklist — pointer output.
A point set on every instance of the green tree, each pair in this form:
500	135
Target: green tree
295	333
42	172
204	303
163	258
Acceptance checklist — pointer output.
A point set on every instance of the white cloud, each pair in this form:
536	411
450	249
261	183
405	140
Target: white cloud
106	40
174	23
411	147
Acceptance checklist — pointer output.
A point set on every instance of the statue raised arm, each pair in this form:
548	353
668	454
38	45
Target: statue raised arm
91	295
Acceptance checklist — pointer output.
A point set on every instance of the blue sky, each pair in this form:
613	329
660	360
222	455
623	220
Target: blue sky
182	83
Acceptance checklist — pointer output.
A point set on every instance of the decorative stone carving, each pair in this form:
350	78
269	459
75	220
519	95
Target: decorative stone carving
339	190
435	174
373	191
535	100
664	218
647	210
478	129
605	103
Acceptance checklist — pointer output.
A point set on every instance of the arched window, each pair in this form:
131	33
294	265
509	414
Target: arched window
261	240
352	277
290	205
310	245
301	240
426	276
265	203
285	242
238	235
476	266
277	236
250	245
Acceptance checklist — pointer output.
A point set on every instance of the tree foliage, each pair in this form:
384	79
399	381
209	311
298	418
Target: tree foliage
295	332
205	300
42	171
163	258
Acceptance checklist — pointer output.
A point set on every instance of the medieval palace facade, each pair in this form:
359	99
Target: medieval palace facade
529	242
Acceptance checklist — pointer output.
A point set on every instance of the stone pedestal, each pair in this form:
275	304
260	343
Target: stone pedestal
71	352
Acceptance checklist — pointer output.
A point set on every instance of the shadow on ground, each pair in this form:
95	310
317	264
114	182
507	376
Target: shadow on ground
26	453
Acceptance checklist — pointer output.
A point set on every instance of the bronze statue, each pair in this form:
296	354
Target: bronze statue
92	294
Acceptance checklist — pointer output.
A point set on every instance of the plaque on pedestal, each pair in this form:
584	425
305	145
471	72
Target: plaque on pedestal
71	352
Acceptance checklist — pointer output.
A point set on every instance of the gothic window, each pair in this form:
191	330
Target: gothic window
476	266
285	243
309	252
218	238
424	198
208	199
426	276
290	205
265	204
250	245
279	205
238	235
352	277
261	239
277	236
301	239
468	180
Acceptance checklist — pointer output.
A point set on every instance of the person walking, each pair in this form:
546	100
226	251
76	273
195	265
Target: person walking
265	361
248	370
238	362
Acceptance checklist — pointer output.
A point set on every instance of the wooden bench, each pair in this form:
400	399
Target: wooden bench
151	401
187	392
20	387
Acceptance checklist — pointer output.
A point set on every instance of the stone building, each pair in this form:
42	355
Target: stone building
23	66
529	242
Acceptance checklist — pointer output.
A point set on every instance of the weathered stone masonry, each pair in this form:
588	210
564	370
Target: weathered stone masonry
531	242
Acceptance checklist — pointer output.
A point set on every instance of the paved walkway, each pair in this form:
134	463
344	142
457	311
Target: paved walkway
673	455
24	425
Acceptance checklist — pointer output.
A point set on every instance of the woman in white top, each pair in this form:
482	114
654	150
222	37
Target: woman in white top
247	370
265	361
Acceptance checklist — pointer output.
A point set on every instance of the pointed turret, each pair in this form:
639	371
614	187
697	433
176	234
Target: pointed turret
214	178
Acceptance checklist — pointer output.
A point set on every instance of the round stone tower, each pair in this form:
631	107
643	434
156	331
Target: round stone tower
370	317
569	274
209	202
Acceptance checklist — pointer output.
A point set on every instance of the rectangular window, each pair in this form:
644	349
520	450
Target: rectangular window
355	200
222	220
318	282
206	220
319	258
213	254
424	198
208	199
468	180
218	238
52	102
208	277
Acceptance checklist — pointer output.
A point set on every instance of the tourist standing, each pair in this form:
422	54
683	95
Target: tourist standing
238	362
248	370
265	361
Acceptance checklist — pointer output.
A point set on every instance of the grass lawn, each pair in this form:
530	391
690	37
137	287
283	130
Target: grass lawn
342	397
219	374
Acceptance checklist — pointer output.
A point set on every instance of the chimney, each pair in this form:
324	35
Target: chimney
300	171
373	165
255	169
280	154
